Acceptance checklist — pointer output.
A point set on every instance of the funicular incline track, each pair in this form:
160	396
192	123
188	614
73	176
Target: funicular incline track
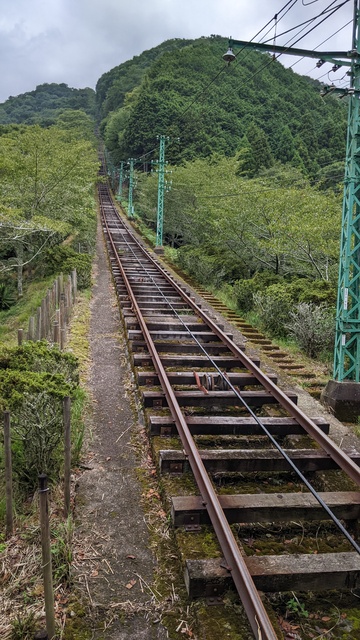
176	344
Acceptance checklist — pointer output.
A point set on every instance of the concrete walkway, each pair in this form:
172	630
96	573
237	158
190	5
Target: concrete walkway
112	533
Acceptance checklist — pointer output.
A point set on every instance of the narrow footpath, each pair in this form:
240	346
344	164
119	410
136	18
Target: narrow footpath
112	557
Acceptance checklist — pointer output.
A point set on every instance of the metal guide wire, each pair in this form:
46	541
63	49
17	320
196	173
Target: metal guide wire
248	408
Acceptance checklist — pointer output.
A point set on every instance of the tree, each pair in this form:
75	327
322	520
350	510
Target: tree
255	153
78	124
46	190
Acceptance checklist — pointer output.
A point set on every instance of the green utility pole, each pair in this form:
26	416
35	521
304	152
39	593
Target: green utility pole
162	187
121	180
347	341
113	176
131	187
344	400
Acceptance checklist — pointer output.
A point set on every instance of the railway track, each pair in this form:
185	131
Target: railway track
197	385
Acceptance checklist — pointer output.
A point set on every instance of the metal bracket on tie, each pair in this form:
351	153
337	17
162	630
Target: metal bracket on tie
212	594
192	522
176	467
165	432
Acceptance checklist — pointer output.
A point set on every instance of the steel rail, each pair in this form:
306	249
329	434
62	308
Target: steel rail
340	457
253	605
327	444
273	440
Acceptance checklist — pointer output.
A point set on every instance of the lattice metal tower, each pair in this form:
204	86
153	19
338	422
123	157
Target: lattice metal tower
161	192
347	341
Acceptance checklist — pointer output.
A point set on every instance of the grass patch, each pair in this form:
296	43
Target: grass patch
17	317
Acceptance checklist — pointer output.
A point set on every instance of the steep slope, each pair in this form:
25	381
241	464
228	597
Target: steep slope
112	86
178	96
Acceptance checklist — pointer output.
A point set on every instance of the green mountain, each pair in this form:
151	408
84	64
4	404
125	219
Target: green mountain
44	104
253	104
114	85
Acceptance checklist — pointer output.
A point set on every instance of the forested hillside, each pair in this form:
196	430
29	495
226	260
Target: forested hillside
113	86
254	104
48	168
257	160
257	163
43	105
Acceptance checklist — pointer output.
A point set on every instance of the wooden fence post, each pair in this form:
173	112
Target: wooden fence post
57	292
56	332
67	449
62	311
74	283
46	555
8	475
38	324
20	337
43	331
31	334
48	311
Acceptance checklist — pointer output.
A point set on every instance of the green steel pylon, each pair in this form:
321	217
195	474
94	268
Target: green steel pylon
121	180
161	190
162	187
131	187
347	339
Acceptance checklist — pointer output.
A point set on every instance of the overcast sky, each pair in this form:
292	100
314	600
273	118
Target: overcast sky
76	41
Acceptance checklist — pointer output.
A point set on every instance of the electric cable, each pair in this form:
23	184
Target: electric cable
287	7
328	9
224	66
320	44
273	441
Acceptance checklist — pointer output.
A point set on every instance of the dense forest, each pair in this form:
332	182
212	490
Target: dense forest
43	105
256	155
254	103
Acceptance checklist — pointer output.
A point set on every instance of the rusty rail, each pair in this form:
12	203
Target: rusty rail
235	563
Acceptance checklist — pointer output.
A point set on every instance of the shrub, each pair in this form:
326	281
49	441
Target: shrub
82	263
55	258
34	379
38	441
63	259
201	266
313	327
40	358
317	291
15	384
273	308
7	297
243	290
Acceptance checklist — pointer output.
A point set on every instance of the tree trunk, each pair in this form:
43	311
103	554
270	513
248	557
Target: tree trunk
20	262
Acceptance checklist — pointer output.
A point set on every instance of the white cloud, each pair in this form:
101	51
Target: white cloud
75	41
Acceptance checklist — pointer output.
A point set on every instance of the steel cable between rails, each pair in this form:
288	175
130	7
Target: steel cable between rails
249	595
293	466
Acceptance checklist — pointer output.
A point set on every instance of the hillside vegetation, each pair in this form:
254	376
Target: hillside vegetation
43	105
257	161
257	157
254	103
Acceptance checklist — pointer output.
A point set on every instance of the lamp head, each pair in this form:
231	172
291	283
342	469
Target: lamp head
229	56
